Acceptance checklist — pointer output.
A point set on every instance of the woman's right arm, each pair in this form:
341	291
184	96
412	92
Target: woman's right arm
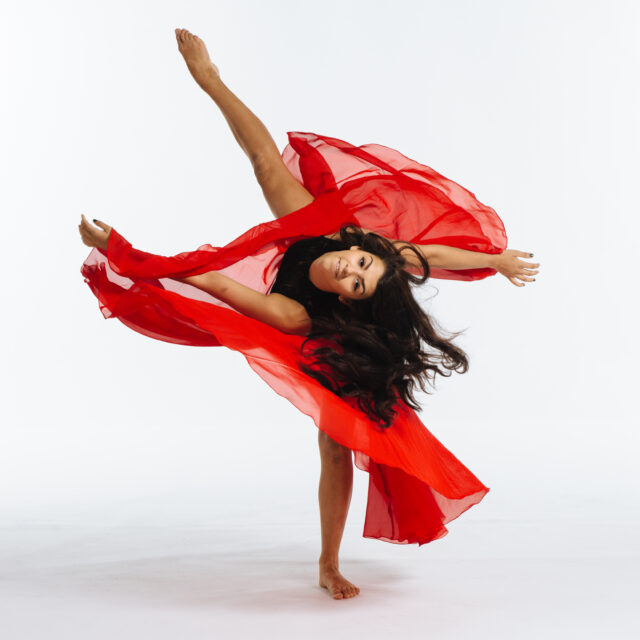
278	311
274	309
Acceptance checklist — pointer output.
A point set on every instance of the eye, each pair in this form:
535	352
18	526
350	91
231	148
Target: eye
362	261
355	287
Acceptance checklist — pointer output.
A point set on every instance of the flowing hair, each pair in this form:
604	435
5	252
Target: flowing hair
376	350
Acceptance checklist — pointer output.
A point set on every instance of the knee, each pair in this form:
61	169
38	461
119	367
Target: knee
266	167
332	451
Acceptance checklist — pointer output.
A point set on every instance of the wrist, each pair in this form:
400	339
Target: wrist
494	260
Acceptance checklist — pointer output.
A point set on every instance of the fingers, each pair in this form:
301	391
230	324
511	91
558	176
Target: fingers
84	224
514	269
84	232
526	269
525	254
523	278
85	228
529	265
102	225
91	236
525	274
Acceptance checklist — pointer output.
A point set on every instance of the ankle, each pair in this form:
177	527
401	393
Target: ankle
329	562
210	81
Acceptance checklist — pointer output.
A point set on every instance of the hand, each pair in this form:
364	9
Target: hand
508	264
93	237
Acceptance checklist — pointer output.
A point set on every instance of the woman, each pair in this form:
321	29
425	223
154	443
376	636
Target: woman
319	303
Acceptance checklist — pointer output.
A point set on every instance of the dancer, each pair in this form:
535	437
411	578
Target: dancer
319	302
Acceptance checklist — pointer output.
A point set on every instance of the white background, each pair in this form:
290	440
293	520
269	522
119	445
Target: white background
137	475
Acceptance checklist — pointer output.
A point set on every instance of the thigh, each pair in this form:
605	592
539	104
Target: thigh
283	193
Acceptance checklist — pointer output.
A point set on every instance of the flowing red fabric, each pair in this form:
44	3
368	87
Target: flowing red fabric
416	485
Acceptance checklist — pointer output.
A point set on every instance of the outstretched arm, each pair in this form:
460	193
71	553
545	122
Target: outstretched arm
507	263
441	256
278	311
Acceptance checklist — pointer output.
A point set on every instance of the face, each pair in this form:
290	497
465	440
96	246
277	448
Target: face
353	273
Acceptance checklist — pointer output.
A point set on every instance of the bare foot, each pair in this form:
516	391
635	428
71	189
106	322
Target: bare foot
337	585
196	56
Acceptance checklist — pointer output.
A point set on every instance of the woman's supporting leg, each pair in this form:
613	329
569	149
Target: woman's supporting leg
282	191
334	496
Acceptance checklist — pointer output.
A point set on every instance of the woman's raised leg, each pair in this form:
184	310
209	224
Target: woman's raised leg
334	496
284	194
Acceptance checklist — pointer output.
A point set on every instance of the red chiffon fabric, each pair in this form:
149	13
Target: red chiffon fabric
416	485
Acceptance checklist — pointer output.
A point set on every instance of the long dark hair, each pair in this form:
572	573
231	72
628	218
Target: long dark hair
374	350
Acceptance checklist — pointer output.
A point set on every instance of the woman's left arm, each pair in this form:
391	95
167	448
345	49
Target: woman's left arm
441	256
508	263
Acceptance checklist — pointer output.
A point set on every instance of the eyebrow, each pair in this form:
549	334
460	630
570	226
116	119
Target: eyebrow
364	287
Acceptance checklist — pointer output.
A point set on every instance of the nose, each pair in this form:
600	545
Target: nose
349	268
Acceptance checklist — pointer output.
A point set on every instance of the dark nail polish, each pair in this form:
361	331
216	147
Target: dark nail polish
531	255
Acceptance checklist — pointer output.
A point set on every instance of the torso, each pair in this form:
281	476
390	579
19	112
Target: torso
293	281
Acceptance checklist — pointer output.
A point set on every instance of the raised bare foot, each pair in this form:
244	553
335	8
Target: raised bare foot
196	56
337	585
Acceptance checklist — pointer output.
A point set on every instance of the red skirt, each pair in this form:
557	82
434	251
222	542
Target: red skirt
416	485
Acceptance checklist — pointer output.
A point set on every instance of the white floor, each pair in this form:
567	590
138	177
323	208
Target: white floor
486	579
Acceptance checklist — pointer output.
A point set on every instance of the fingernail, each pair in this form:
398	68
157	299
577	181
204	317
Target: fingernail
531	255
94	220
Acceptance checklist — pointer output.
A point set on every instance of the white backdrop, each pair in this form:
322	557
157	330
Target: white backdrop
533	106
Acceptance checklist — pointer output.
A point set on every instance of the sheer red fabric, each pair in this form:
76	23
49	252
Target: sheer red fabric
416	485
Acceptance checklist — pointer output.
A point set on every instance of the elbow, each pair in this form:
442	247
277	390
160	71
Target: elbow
297	323
287	315
297	327
432	254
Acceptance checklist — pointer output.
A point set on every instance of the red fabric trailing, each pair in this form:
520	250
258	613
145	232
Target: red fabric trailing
416	485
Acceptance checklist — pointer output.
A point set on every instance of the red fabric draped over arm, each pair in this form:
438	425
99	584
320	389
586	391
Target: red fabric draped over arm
416	485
